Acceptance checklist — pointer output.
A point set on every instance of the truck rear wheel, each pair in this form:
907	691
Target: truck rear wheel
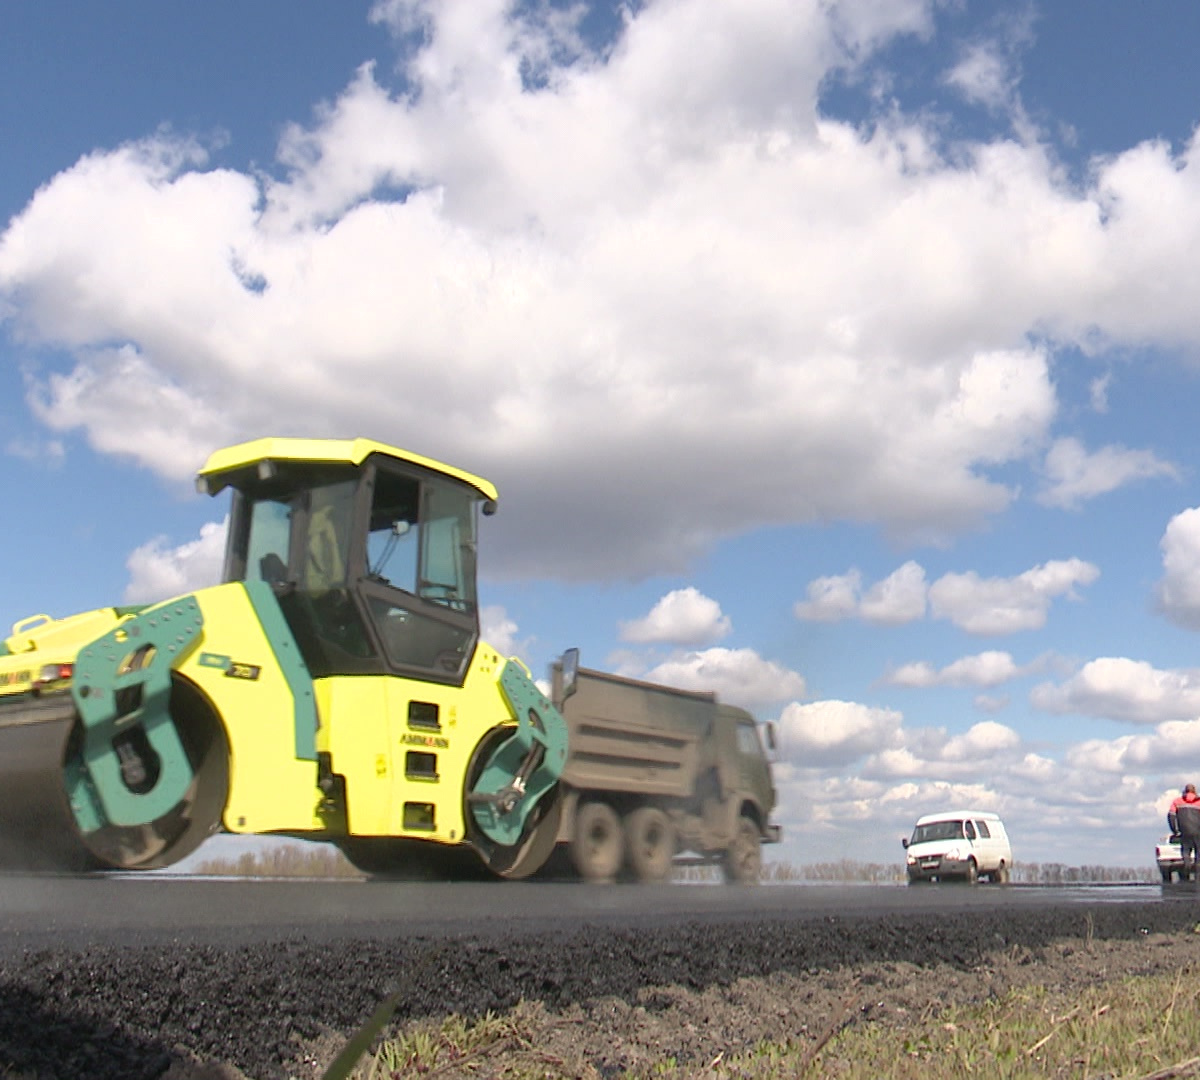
742	862
598	846
650	842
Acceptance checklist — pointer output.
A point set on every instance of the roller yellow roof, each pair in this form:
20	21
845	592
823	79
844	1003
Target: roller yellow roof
332	451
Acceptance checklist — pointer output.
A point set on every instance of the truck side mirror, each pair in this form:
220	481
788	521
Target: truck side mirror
569	664
769	731
904	841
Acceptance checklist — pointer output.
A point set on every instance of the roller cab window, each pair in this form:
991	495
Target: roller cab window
420	581
295	531
373	567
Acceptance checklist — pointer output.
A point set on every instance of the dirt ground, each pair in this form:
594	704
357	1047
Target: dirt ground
610	1035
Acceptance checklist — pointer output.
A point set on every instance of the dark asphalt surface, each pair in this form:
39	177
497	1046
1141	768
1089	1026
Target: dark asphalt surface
114	978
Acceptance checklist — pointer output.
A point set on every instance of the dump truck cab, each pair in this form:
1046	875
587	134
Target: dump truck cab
370	551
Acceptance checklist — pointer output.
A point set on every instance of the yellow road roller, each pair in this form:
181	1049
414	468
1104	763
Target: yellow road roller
332	687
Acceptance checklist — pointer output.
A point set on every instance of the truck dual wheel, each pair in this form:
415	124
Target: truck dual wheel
650	841
743	858
598	847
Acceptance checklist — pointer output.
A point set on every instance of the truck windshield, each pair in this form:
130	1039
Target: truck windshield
937	830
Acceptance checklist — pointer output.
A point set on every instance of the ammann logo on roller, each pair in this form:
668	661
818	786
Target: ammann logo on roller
437	742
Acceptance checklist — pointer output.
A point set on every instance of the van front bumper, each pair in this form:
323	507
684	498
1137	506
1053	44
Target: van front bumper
928	869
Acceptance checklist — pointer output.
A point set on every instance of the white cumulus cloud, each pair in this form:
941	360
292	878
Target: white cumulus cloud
1178	591
898	598
739	676
158	571
499	630
1123	689
998	605
973	603
682	617
833	733
1073	475
667	232
985	669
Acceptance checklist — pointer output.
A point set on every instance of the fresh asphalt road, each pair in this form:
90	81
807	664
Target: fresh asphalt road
81	911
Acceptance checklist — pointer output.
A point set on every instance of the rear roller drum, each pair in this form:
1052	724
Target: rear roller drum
40	831
197	815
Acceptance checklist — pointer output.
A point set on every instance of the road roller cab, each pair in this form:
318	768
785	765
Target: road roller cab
332	686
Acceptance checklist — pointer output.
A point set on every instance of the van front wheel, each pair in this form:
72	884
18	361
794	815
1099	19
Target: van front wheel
972	875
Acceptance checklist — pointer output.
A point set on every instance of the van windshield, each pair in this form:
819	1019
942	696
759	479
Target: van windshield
937	830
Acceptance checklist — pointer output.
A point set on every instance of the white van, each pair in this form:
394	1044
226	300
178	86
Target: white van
967	844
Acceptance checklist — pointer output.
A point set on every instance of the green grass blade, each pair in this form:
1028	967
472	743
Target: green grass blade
360	1042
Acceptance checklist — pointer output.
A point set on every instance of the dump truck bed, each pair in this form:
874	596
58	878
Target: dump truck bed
627	735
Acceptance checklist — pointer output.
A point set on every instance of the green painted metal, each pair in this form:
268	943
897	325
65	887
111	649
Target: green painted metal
85	802
214	660
122	681
502	819
291	663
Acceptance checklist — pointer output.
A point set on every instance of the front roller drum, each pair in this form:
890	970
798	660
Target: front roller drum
529	851
41	751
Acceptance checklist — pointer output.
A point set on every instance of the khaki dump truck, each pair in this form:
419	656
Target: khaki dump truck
656	777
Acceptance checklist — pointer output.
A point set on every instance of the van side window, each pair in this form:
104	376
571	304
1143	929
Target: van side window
983	830
969	829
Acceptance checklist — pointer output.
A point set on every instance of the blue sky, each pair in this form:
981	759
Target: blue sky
839	357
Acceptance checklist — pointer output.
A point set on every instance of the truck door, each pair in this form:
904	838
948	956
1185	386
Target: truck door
752	762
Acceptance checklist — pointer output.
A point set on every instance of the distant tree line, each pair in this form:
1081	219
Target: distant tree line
315	861
1061	874
1030	873
322	860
